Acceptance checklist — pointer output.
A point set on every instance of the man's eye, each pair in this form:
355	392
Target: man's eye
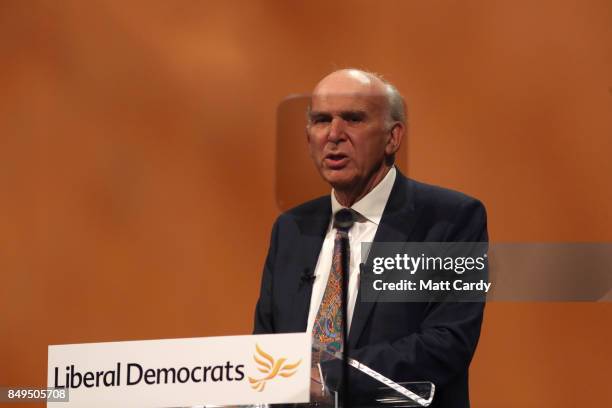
353	117
321	119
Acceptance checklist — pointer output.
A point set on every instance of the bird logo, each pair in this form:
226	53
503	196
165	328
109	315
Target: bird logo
267	365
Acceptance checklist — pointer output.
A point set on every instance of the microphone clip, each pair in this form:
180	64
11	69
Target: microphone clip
307	276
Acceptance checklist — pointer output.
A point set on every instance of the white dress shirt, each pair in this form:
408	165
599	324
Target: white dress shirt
371	208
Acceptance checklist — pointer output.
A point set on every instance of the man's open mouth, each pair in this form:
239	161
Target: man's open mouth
336	160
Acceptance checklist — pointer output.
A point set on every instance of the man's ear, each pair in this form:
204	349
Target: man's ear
396	135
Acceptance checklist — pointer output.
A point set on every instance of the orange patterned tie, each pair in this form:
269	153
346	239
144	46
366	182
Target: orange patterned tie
327	330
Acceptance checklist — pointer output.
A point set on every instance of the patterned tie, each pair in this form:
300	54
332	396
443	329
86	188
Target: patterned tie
327	330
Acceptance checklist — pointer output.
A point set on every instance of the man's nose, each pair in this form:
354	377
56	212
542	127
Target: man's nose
336	130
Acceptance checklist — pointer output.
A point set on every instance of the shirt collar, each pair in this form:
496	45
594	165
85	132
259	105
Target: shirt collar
372	205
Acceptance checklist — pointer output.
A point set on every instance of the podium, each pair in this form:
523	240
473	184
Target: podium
367	388
266	370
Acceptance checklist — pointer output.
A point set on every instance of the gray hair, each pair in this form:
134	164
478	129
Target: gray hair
397	106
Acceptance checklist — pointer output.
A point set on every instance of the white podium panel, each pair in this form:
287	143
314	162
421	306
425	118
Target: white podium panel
232	370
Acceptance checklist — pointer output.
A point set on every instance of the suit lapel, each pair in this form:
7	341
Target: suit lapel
396	224
313	227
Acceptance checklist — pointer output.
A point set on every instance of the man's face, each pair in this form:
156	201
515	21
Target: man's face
348	136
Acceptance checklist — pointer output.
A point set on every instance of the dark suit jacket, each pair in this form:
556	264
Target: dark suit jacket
404	341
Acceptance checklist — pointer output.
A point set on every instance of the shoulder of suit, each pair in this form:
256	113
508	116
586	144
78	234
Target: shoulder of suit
421	195
428	195
318	208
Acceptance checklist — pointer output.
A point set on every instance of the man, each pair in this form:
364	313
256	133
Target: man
356	123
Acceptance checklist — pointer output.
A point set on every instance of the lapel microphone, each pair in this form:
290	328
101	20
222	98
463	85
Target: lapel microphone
307	276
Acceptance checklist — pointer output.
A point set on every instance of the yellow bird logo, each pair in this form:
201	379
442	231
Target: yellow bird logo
267	365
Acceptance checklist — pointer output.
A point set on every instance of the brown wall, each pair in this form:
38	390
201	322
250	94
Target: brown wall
137	162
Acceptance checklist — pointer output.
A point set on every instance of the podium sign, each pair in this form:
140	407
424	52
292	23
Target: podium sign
232	370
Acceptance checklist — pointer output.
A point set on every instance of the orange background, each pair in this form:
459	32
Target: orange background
138	162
